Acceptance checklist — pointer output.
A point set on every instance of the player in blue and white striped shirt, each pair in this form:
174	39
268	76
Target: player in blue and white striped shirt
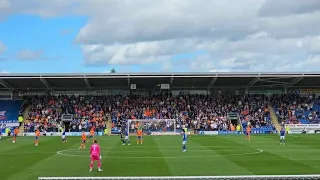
63	136
282	137
184	140
125	139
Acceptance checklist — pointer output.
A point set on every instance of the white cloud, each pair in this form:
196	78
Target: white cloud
246	35
3	72
2	47
282	8
167	66
30	55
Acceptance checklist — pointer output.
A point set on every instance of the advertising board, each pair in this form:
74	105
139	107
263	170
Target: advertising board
298	128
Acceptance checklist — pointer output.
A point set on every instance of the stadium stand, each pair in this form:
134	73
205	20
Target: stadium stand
255	110
46	112
200	102
199	112
297	109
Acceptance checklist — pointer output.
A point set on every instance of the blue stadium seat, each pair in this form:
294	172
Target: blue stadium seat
9	111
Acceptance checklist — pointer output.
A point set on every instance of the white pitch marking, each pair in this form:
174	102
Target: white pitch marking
10	139
150	157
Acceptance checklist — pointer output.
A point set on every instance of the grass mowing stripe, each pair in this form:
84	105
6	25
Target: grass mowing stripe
198	160
53	165
225	151
138	166
7	145
280	164
15	163
56	165
306	140
276	159
302	150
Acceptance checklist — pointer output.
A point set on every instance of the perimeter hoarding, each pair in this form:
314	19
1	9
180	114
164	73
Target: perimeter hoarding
299	128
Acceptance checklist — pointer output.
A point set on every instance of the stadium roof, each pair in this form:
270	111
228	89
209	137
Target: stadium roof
72	81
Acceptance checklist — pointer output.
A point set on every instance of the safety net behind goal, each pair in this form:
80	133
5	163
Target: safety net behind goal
153	126
269	177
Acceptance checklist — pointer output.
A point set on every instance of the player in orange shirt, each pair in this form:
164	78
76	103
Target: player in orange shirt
139	137
91	133
15	134
37	134
248	131
83	140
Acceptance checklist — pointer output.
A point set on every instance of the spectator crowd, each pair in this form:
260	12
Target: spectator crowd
196	112
296	109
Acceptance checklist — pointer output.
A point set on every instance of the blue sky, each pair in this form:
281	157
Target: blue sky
53	39
36	44
147	36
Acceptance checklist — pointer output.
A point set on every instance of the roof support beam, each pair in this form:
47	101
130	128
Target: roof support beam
211	83
252	82
275	82
6	85
46	83
294	81
129	82
86	80
171	80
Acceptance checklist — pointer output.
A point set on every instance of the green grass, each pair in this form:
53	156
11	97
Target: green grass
162	156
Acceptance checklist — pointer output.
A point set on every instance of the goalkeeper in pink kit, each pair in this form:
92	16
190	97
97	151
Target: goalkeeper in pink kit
95	155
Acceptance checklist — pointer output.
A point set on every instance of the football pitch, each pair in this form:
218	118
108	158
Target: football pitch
162	156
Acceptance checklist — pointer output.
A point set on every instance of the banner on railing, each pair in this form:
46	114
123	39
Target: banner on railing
43	134
32	93
8	121
300	132
229	132
2	115
102	92
5	125
240	132
59	134
273	91
299	128
5	95
208	133
164	133
309	91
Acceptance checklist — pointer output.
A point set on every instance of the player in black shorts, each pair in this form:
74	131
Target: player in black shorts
122	135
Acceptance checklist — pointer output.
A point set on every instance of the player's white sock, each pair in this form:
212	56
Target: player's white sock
90	170
100	170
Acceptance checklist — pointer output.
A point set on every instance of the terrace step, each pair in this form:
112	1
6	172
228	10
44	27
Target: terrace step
25	116
274	119
109	124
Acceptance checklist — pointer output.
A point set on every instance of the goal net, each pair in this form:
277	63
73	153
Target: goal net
153	126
